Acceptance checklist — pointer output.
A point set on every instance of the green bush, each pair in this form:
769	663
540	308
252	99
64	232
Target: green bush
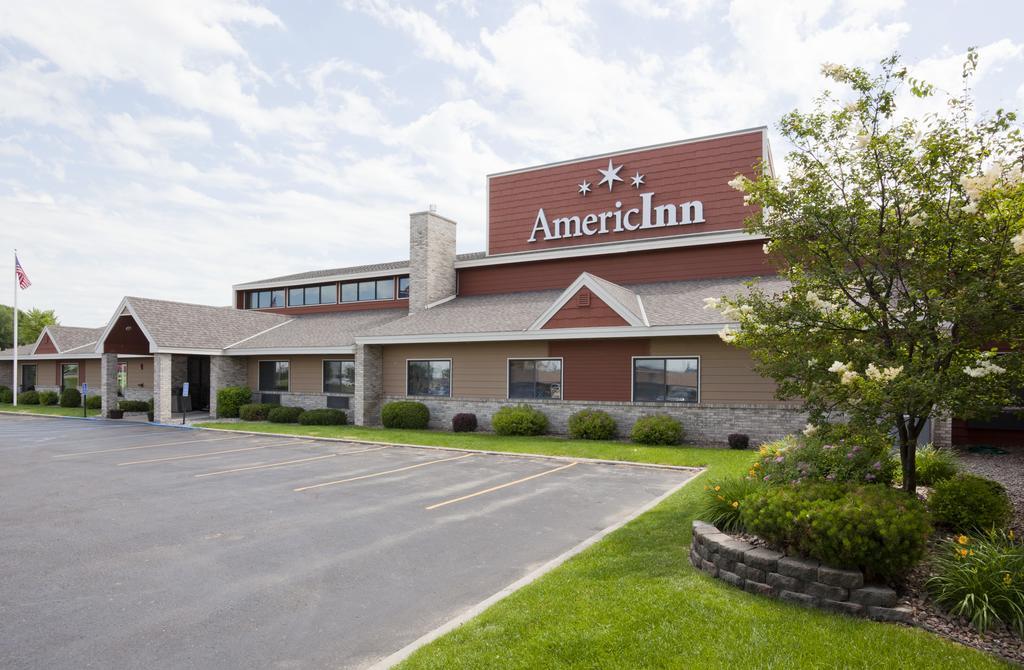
6	396
48	397
982	580
877	529
723	499
858	459
28	398
133	406
405	414
285	414
519	420
93	402
151	404
657	429
256	411
464	422
70	397
934	465
592	424
230	398
969	502
323	417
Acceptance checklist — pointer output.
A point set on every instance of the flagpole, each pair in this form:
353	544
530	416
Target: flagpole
15	338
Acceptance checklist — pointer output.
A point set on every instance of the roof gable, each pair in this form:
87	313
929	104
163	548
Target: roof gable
585	310
591	301
45	345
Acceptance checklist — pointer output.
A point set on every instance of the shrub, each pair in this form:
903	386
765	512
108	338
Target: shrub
464	423
93	402
405	414
230	398
519	420
323	417
657	429
70	397
859	459
739	441
151	404
6	396
48	397
256	411
723	499
877	529
115	414
285	414
982	580
28	398
592	424
133	406
935	465
969	502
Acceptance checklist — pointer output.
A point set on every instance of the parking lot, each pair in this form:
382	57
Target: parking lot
128	546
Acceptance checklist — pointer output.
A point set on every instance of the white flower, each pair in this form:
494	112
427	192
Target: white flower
874	373
712	303
831	69
746	199
746	309
730	312
970	208
739	182
818	303
810	429
984	367
839	367
812	363
849	377
863	139
1018	242
727	334
766	247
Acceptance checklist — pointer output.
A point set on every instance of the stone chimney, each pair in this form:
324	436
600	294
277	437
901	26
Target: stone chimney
431	259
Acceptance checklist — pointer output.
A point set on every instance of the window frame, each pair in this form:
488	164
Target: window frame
632	378
259	385
451	376
398	287
323	376
393	280
122	388
35	376
508	375
78	375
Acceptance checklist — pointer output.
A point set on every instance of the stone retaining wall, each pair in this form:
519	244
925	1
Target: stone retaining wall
797	580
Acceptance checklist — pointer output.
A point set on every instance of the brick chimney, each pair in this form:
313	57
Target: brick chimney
431	259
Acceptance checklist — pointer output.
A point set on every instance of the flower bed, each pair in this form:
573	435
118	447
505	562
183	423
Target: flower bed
799	580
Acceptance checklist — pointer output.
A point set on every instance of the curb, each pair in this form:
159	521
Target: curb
119	422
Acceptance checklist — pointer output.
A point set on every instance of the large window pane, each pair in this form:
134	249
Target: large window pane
264	299
122	378
277	298
273	376
69	376
535	378
295	297
312	295
429	378
403	287
666	380
339	377
328	294
367	290
28	377
349	292
386	289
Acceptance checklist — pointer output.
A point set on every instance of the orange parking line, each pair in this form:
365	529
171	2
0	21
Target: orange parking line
146	446
281	463
500	486
380	474
206	453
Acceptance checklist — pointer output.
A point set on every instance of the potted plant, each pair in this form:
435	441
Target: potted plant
115	414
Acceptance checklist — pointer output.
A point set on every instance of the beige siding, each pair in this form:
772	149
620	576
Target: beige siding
727	372
479	369
305	373
90	371
46	373
140	372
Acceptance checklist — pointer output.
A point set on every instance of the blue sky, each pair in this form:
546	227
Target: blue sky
172	149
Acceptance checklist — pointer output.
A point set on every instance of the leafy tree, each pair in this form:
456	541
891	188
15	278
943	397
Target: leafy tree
7	326
902	242
32	322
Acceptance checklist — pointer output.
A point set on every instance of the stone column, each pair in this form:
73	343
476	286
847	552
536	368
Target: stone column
226	371
942	431
369	384
7	376
162	364
431	259
108	383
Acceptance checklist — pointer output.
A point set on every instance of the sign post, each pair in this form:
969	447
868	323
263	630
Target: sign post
184	402
85	396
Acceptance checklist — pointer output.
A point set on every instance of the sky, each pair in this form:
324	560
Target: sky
172	149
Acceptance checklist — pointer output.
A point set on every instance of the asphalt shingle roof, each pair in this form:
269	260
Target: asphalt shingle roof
68	338
335	329
179	325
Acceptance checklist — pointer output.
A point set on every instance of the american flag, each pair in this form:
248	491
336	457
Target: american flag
19	272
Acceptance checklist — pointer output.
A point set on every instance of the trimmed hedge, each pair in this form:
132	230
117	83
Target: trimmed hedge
464	423
405	414
323	417
6	395
592	424
230	398
48	397
28	398
256	411
93	402
133	406
739	441
285	414
659	429
519	420
968	502
70	397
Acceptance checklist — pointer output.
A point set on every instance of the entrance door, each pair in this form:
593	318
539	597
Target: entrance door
198	379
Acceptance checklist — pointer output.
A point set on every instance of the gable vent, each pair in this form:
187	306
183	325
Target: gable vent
583	300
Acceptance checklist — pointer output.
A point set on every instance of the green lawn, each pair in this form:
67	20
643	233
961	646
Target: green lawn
53	410
633	601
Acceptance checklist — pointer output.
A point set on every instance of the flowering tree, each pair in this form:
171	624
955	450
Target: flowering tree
902	242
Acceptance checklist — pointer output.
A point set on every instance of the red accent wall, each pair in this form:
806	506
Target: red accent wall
964	435
126	338
574	315
341	307
598	369
739	259
682	173
46	346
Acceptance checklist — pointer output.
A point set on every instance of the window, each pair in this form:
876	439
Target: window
666	379
273	376
312	295
349	292
367	290
386	289
295	297
122	378
339	377
328	294
28	378
403	287
374	289
265	299
535	378
68	376
429	378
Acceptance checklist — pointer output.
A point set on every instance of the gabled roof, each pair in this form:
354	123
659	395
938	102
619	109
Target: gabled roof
71	338
625	302
333	331
23	351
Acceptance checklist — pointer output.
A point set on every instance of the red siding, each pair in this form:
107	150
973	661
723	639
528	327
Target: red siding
341	307
740	259
682	173
575	315
598	369
126	338
963	435
46	346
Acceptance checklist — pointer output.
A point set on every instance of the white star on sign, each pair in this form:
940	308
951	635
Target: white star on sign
637	179
611	175
585	187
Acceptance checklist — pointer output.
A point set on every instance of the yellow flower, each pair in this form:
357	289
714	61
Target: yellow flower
963	552
718	488
963	539
971	552
1007	579
735	504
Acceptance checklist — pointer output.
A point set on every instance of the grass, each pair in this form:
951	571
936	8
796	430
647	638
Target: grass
633	600
52	410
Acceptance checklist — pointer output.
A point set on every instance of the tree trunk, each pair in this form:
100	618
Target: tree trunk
909	431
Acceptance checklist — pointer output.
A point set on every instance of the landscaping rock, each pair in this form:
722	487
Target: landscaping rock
701	528
848	579
842	607
874	596
709	567
758	588
782	582
798	598
826	591
750	572
763	559
731	578
898	614
801	568
735	549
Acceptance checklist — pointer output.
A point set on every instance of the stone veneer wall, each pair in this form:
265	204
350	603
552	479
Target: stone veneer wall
797	580
702	423
7	374
226	371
